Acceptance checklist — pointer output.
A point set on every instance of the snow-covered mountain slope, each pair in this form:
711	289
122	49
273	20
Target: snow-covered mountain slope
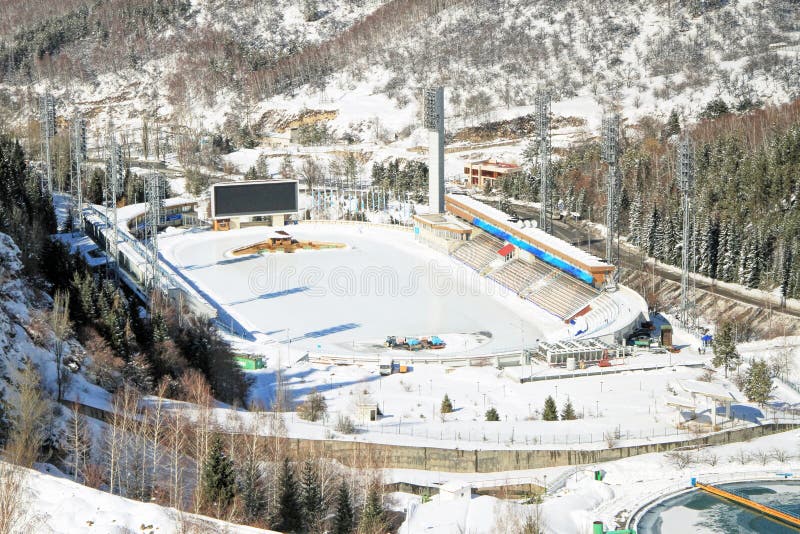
26	338
207	62
23	336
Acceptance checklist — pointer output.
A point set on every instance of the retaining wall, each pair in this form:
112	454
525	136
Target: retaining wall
358	453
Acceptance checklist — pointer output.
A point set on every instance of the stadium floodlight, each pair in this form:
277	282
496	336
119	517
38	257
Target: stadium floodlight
433	120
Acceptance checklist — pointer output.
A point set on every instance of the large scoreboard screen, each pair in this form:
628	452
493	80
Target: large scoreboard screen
242	199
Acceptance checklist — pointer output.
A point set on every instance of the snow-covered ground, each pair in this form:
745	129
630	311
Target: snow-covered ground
627	485
299	309
348	300
631	402
65	507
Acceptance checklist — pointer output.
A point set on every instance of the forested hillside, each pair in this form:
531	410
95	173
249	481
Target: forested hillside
747	194
178	60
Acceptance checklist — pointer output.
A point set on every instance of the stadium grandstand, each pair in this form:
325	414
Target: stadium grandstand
542	269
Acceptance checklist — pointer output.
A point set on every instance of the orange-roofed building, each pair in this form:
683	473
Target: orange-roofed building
491	171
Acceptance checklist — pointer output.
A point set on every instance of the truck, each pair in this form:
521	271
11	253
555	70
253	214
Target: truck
385	364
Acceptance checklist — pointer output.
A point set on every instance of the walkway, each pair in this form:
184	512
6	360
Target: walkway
780	513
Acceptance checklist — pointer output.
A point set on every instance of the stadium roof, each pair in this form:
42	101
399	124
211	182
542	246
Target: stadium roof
535	234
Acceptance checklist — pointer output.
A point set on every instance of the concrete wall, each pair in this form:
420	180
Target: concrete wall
487	461
357	453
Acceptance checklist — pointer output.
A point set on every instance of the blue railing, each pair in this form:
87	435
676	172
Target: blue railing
546	257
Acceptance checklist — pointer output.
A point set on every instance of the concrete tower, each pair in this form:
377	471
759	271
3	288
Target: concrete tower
434	123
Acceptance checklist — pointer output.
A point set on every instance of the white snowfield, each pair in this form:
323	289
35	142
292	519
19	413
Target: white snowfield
65	507
628	485
348	300
383	283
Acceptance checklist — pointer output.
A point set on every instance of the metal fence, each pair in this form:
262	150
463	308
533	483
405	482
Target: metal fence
512	435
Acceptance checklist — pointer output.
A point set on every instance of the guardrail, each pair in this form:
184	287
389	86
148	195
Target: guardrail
407	357
604	371
401	227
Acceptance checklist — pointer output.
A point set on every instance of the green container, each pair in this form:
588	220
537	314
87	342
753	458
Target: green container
597	527
250	364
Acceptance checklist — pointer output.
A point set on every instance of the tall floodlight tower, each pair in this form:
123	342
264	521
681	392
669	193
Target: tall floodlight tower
115	175
78	153
686	186
154	187
543	134
610	156
47	124
434	123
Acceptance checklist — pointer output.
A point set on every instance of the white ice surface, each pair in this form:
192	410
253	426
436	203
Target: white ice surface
348	300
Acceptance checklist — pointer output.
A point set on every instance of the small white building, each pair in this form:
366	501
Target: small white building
366	411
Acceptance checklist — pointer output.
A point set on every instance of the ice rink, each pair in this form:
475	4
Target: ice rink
348	300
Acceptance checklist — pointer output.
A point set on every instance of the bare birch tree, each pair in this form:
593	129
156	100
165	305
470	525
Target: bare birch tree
29	424
62	329
77	443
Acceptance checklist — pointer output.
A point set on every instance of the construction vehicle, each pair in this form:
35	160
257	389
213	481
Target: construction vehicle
433	342
413	343
408	343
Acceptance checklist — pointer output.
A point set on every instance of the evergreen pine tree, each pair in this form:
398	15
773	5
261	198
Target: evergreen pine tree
219	482
251	489
676	240
635	221
372	515
447	406
651	234
724	346
663	233
343	521
87	296
785	269
138	373
310	10
492	415
704	246
288	505
758	382
313	507
673	126
727	258
158	326
568	413
530	155
550	412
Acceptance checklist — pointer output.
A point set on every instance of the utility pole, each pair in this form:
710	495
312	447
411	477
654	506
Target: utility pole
154	196
47	124
115	174
610	156
543	135
686	186
78	154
